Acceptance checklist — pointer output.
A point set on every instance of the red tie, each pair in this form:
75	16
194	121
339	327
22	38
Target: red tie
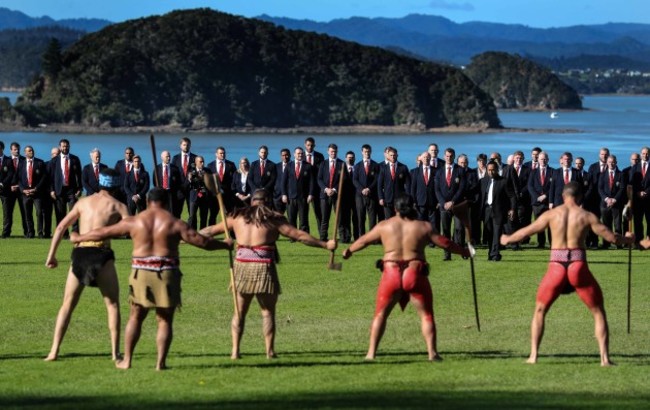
310	160
221	171
262	167
66	172
426	175
366	166
566	176
297	169
392	171
127	166
643	169
16	164
542	175
165	177
97	172
135	174
29	172
448	176
518	170
331	173
534	165
184	164
611	180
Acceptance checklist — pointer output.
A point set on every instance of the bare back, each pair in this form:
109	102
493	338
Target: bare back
250	234
99	210
569	226
156	232
404	239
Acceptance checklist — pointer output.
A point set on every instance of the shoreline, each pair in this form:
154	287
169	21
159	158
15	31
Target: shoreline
350	130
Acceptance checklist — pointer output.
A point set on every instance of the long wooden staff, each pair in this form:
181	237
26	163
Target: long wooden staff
332	265
630	215
214	185
462	212
152	143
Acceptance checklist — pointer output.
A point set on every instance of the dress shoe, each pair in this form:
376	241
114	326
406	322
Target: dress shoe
540	246
447	258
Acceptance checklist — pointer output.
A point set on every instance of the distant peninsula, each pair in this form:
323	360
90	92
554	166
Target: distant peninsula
202	69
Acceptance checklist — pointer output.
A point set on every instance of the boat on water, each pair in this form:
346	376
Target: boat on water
554	115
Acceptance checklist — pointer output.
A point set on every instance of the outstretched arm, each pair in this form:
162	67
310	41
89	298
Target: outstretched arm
365	240
216	229
605	233
288	230
121	228
539	225
445	243
193	237
61	228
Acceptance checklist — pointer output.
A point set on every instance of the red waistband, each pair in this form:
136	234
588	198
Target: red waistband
568	255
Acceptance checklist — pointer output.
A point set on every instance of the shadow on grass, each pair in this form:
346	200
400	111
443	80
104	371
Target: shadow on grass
416	398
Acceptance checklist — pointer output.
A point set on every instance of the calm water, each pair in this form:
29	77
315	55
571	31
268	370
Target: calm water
12	96
620	123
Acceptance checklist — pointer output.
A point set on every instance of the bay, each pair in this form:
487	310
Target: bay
621	123
13	96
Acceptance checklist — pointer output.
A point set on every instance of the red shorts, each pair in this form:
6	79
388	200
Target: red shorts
563	273
404	279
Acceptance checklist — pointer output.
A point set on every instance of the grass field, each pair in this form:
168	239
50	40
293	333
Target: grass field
322	336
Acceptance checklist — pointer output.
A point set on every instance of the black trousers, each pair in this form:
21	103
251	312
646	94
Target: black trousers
8	206
326	206
29	204
611	218
135	207
198	210
446	217
299	209
366	208
63	204
493	225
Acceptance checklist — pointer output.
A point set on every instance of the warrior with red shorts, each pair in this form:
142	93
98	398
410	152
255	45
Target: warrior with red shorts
404	270
567	269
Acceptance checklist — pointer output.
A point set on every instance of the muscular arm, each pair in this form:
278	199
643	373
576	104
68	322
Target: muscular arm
216	229
121	228
65	223
290	231
539	225
365	240
605	233
194	238
445	243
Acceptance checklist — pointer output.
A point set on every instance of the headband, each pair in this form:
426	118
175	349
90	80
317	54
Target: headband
108	181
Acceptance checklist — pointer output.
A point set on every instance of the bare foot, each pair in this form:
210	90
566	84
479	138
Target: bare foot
118	357
271	355
370	357
531	360
235	356
161	367
122	364
436	358
51	357
607	363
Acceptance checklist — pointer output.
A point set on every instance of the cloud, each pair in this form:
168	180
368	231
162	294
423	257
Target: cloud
450	5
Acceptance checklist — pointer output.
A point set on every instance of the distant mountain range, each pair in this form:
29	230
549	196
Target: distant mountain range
439	39
10	19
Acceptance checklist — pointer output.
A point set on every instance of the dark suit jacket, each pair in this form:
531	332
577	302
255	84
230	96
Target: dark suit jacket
323	178
280	176
362	181
121	168
229	170
6	175
267	181
423	194
639	182
503	199
175	180
591	195
618	191
90	183
557	184
177	160
137	188
536	188
387	188
520	183
318	159
241	188
299	187
40	178
74	182
454	192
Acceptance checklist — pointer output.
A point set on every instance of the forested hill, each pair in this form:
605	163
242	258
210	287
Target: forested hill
516	83
201	68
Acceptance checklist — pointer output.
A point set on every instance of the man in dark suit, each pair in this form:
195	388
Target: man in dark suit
472	196
169	179
34	185
47	203
124	166
225	171
612	187
13	195
6	179
314	158
281	169
394	179
534	160
199	194
364	179
450	188
635	158
591	199
298	189
349	219
539	187
136	186
329	175
641	204
499	203
90	173
518	175
423	191
563	176
263	173
65	182
184	161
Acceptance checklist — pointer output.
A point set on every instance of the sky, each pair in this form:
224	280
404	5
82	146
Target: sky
534	13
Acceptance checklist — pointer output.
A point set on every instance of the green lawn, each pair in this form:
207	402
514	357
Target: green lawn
323	321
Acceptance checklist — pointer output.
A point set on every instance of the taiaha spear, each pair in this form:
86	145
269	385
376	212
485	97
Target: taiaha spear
331	265
152	143
629	214
461	211
213	184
